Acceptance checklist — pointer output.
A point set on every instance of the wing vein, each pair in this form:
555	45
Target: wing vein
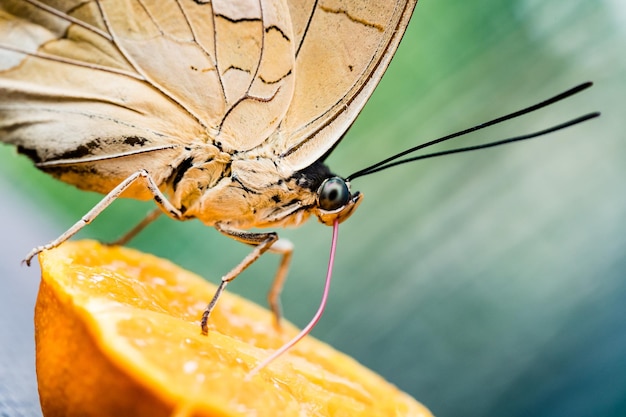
147	79
73	62
216	60
258	65
70	19
61	162
306	29
212	57
247	95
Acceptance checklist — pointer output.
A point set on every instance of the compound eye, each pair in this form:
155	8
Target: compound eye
333	194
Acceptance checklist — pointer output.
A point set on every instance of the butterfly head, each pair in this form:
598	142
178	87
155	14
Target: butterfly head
335	200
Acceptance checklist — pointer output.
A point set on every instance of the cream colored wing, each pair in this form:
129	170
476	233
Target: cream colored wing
71	101
228	63
88	81
84	82
343	49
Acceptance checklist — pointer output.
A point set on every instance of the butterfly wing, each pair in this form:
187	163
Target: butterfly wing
94	90
343	49
229	64
72	101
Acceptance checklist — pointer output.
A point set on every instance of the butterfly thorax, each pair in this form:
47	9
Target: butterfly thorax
245	191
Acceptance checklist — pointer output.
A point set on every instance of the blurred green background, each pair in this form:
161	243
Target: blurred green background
484	284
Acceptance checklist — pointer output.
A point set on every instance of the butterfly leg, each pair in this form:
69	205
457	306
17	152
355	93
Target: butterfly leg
285	248
159	197
152	216
262	242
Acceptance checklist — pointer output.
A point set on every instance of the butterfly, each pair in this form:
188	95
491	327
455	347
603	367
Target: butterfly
222	111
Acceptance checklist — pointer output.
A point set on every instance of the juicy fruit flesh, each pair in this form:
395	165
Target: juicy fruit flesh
118	331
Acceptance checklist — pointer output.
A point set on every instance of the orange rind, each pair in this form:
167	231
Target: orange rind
117	334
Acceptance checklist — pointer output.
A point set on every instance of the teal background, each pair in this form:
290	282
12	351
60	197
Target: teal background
484	284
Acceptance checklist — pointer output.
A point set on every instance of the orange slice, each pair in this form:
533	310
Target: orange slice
118	334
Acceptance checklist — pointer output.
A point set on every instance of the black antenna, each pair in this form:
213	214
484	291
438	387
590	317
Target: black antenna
392	160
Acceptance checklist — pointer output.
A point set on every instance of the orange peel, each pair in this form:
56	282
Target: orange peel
117	333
